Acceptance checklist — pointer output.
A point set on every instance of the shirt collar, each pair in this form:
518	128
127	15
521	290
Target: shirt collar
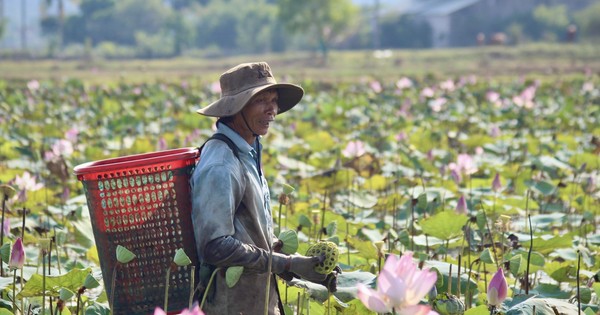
242	145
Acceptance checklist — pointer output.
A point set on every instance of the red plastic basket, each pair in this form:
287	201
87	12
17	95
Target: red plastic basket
143	202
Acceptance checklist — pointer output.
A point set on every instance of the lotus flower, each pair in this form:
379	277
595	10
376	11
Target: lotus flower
400	288
404	83
17	255
461	206
497	289
465	165
354	149
25	183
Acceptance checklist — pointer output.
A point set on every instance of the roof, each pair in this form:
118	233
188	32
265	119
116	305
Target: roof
439	7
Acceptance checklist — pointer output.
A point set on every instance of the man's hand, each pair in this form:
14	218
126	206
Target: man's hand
304	267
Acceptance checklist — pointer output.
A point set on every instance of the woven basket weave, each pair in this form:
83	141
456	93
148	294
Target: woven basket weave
143	202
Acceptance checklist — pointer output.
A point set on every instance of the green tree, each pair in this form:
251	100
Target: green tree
327	21
552	19
250	28
588	21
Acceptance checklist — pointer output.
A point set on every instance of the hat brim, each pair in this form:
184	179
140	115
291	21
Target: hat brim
289	96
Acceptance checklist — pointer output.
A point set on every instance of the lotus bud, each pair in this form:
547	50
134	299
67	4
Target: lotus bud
124	255
181	259
497	289
17	255
461	205
496	184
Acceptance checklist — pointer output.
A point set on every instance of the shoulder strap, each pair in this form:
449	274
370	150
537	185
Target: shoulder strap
224	138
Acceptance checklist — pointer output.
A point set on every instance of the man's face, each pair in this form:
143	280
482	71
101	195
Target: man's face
261	110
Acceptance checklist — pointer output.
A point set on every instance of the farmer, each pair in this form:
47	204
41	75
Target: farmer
231	209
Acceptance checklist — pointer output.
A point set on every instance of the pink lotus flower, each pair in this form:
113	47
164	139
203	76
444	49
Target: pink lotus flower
447	85
497	289
33	85
464	165
72	134
436	105
17	255
215	87
404	83
25	183
495	131
354	149
400	288
427	92
496	184
461	206
376	86
194	311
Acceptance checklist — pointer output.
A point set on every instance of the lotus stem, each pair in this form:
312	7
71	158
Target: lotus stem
212	278
268	290
14	302
192	275
43	282
528	255
166	303
578	288
112	288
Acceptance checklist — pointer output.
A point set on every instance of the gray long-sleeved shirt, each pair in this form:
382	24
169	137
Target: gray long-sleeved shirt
232	222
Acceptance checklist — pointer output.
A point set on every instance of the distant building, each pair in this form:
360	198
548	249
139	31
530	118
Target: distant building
458	22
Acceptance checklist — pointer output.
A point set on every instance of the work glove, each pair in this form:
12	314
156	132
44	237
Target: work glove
304	267
298	266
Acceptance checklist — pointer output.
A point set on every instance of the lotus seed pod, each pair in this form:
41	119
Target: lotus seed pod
331	252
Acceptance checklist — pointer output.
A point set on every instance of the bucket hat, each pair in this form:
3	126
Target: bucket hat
240	83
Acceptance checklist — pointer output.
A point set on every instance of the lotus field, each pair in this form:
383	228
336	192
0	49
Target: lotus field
462	195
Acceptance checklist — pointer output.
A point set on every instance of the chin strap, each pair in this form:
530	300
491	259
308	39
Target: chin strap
256	143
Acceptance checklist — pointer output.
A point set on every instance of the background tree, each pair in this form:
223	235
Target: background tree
327	21
250	28
588	21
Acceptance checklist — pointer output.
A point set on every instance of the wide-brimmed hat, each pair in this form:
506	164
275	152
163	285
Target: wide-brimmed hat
240	83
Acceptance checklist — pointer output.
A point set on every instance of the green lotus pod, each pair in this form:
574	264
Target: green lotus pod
5	252
7	191
65	294
124	255
487	256
90	282
181	259
331	256
450	305
287	189
304	221
290	241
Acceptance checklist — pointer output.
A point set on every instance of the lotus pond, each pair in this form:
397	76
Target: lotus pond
468	174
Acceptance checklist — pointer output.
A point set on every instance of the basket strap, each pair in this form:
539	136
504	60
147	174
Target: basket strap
224	138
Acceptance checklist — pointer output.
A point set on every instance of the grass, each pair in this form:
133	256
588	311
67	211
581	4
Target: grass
539	60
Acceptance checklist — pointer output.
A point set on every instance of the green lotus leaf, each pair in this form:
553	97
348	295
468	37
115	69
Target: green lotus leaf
444	225
233	275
